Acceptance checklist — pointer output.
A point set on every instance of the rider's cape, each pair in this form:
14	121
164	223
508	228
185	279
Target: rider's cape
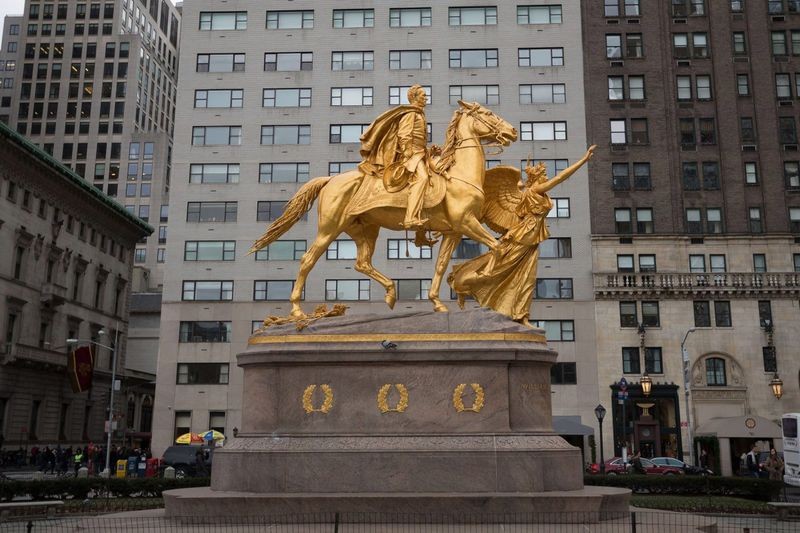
379	147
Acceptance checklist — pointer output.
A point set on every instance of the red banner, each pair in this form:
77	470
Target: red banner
80	368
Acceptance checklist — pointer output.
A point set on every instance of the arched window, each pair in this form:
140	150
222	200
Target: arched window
131	415
715	372
146	420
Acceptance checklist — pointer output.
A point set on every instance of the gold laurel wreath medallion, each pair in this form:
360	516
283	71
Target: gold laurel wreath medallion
327	403
458	398
402	403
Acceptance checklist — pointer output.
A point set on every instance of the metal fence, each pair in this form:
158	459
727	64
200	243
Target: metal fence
632	522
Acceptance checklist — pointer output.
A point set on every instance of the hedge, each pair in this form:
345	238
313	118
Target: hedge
749	488
80	488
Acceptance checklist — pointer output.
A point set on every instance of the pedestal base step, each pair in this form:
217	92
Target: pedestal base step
588	505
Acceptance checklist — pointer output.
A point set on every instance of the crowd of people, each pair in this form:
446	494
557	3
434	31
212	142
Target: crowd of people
67	461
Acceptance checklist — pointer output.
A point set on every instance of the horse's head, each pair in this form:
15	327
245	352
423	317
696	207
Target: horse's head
487	125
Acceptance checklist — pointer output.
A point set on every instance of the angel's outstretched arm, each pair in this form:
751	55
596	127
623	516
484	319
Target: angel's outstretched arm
566	173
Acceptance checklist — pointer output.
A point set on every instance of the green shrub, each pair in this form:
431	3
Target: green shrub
749	488
80	489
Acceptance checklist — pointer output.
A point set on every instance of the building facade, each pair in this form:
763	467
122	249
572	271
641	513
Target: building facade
94	85
9	59
273	94
695	217
66	274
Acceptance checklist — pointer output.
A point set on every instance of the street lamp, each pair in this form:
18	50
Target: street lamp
73	342
685	356
647	384
777	386
600	413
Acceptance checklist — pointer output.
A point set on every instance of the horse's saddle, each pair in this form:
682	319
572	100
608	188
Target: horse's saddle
372	193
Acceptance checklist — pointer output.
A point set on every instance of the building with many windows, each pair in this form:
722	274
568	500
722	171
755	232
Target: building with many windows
275	93
9	60
695	212
66	273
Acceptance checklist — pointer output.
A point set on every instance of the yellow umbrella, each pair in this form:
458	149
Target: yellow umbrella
212	434
189	438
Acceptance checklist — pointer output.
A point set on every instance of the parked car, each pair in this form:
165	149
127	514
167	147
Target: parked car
616	466
687	468
183	458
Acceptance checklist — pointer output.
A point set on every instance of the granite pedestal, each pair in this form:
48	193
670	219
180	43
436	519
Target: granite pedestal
397	413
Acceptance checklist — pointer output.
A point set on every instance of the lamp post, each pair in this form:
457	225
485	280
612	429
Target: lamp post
685	356
72	342
647	384
777	386
600	413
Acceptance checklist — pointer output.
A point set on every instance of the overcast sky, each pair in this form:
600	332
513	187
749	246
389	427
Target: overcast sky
10	7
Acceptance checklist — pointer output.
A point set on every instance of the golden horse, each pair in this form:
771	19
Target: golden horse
458	214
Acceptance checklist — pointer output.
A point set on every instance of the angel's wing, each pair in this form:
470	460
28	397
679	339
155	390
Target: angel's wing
501	189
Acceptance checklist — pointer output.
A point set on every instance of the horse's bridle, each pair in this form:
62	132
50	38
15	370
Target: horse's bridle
494	130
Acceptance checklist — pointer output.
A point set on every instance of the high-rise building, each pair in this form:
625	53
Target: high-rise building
273	94
94	85
695	218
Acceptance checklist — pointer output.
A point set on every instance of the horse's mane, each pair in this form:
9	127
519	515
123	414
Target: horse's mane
448	156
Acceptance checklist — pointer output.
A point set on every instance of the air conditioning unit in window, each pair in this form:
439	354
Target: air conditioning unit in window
619	147
778	18
684	63
785	103
633	21
617	63
741	59
612	21
789	147
688	148
749	148
780	59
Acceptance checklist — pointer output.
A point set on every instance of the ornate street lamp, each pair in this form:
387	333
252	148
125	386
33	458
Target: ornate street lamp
777	386
600	413
647	384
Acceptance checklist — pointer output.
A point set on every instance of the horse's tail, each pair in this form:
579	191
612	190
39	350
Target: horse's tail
300	203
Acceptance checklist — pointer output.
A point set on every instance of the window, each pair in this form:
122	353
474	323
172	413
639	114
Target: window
214	173
543	93
751	173
555	248
272	290
480	58
399	94
270	210
754	220
714	220
783	86
622	220
412	289
778	39
560	208
209	251
557	330
620	178
650	316
223	20
286	97
290	20
717	262
787	130
702	313
703	87
747	130
743	84
539	14
216	135
543	131
211	212
298	134
352	60
722	314
680	45
290	250
202	374
283	172
288	61
341	167
341	249
628	316
220	63
625	263
346	133
759	263
183	420
737	6
540	57
140	255
770	359
205	332
641	176
715	372
226	98
409	17
630	360
700	45
644	220
739	43
406	249
208	290
351	96
765	313
794	219
613	46
409	59
647	263
564	374
346	289
791	174
652	361
353	18
639	132
796	262
469	249
618	132
634	46
472	16
554	289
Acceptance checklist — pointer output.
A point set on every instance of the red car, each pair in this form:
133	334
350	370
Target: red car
615	466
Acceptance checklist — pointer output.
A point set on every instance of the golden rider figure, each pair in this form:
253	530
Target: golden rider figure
394	148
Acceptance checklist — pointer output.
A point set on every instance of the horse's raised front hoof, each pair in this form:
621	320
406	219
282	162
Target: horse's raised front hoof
439	307
390	299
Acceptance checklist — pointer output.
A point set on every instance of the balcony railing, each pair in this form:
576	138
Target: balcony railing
42	356
664	283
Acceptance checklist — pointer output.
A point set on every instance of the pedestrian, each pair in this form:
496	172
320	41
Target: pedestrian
751	461
774	466
77	459
638	468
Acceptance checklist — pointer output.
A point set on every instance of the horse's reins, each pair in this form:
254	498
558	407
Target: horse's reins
495	143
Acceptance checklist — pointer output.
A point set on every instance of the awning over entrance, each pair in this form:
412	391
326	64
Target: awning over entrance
741	427
570	425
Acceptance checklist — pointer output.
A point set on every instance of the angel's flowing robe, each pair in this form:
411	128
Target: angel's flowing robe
504	280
